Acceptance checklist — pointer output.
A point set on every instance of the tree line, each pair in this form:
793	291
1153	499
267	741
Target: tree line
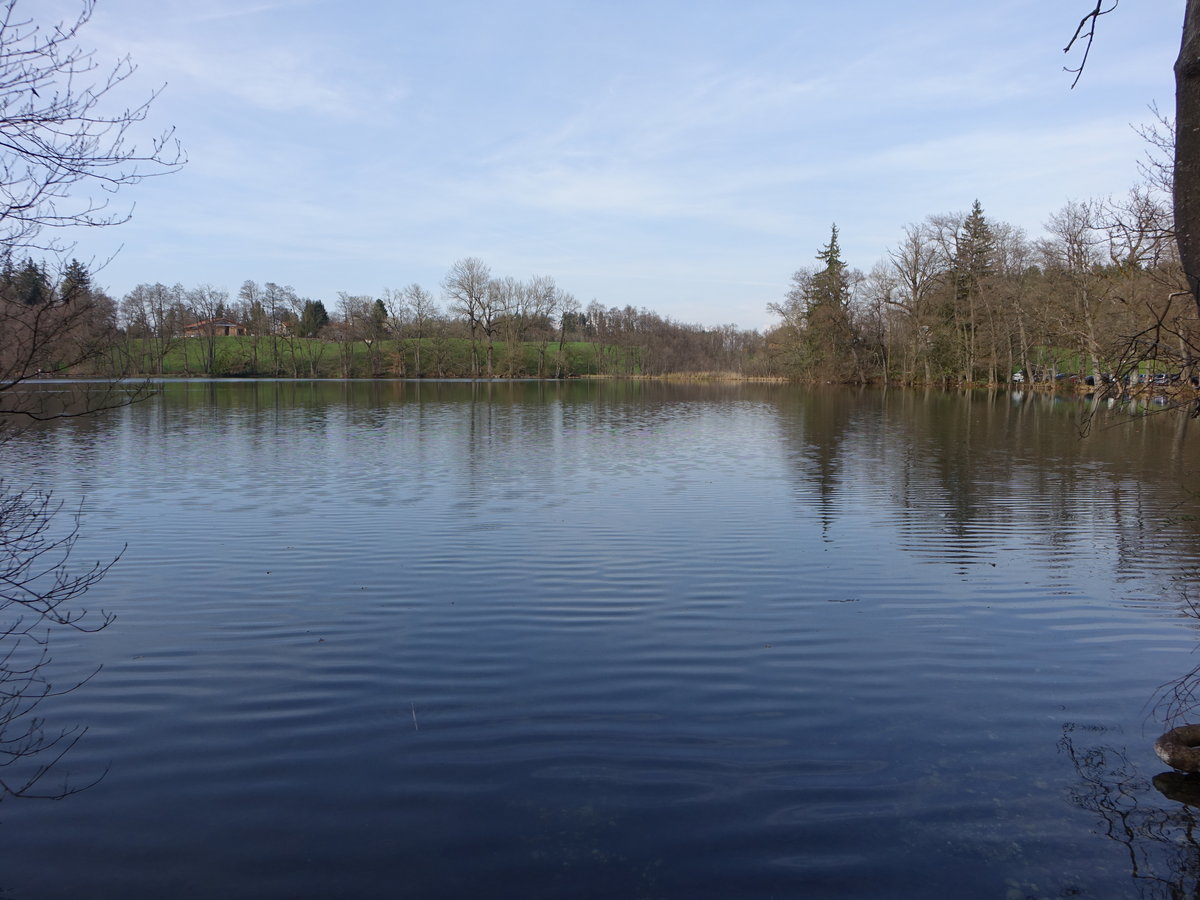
963	299
960	299
477	326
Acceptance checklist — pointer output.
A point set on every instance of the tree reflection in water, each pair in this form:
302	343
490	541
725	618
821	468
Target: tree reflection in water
1157	827
37	595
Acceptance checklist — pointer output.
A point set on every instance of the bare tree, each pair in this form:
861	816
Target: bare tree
396	314
439	342
1139	229
510	299
466	289
282	307
258	322
62	154
1072	252
1186	180
598	333
544	299
154	316
500	296
877	316
349	327
37	595
569	315
423	308
207	305
917	264
1018	310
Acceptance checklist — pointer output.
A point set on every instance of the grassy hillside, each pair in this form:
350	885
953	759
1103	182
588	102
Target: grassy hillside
279	356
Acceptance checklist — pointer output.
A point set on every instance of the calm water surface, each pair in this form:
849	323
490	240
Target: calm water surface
616	640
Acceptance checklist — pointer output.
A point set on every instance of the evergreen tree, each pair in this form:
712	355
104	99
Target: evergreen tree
377	326
819	328
976	252
31	286
830	286
973	263
313	318
829	332
76	284
8	278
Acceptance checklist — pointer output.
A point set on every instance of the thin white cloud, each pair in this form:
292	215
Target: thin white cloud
274	78
663	154
216	12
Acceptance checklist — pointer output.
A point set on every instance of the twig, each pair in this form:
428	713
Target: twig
414	712
1088	22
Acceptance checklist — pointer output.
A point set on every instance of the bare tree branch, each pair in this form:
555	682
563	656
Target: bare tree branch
62	154
38	593
1086	32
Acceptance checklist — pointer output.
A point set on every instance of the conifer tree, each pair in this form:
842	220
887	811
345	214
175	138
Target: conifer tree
829	333
830	285
31	286
377	326
76	286
973	262
313	318
976	257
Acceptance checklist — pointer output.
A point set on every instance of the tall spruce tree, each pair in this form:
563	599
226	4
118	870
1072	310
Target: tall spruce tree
378	321
829	332
974	261
976	256
313	318
831	284
76	286
30	285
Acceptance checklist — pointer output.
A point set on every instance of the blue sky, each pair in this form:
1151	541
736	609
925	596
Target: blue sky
682	156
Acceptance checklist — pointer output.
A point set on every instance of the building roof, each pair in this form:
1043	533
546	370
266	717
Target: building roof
214	322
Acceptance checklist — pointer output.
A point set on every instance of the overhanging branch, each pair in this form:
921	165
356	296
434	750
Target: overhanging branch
1086	32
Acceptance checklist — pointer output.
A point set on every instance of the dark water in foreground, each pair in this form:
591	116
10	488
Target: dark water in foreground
616	640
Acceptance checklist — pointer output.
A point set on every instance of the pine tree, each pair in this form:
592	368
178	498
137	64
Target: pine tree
830	286
829	334
31	286
974	262
377	327
976	256
76	284
313	318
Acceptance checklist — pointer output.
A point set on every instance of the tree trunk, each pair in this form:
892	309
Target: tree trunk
1187	148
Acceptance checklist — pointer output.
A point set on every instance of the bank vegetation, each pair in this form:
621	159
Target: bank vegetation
958	300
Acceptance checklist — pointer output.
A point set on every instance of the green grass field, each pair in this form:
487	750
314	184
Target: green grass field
288	357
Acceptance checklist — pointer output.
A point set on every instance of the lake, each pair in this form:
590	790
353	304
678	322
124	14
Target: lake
616	640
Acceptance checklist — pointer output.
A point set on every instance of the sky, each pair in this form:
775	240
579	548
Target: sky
684	157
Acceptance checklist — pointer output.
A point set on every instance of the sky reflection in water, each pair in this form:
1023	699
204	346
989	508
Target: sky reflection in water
622	639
